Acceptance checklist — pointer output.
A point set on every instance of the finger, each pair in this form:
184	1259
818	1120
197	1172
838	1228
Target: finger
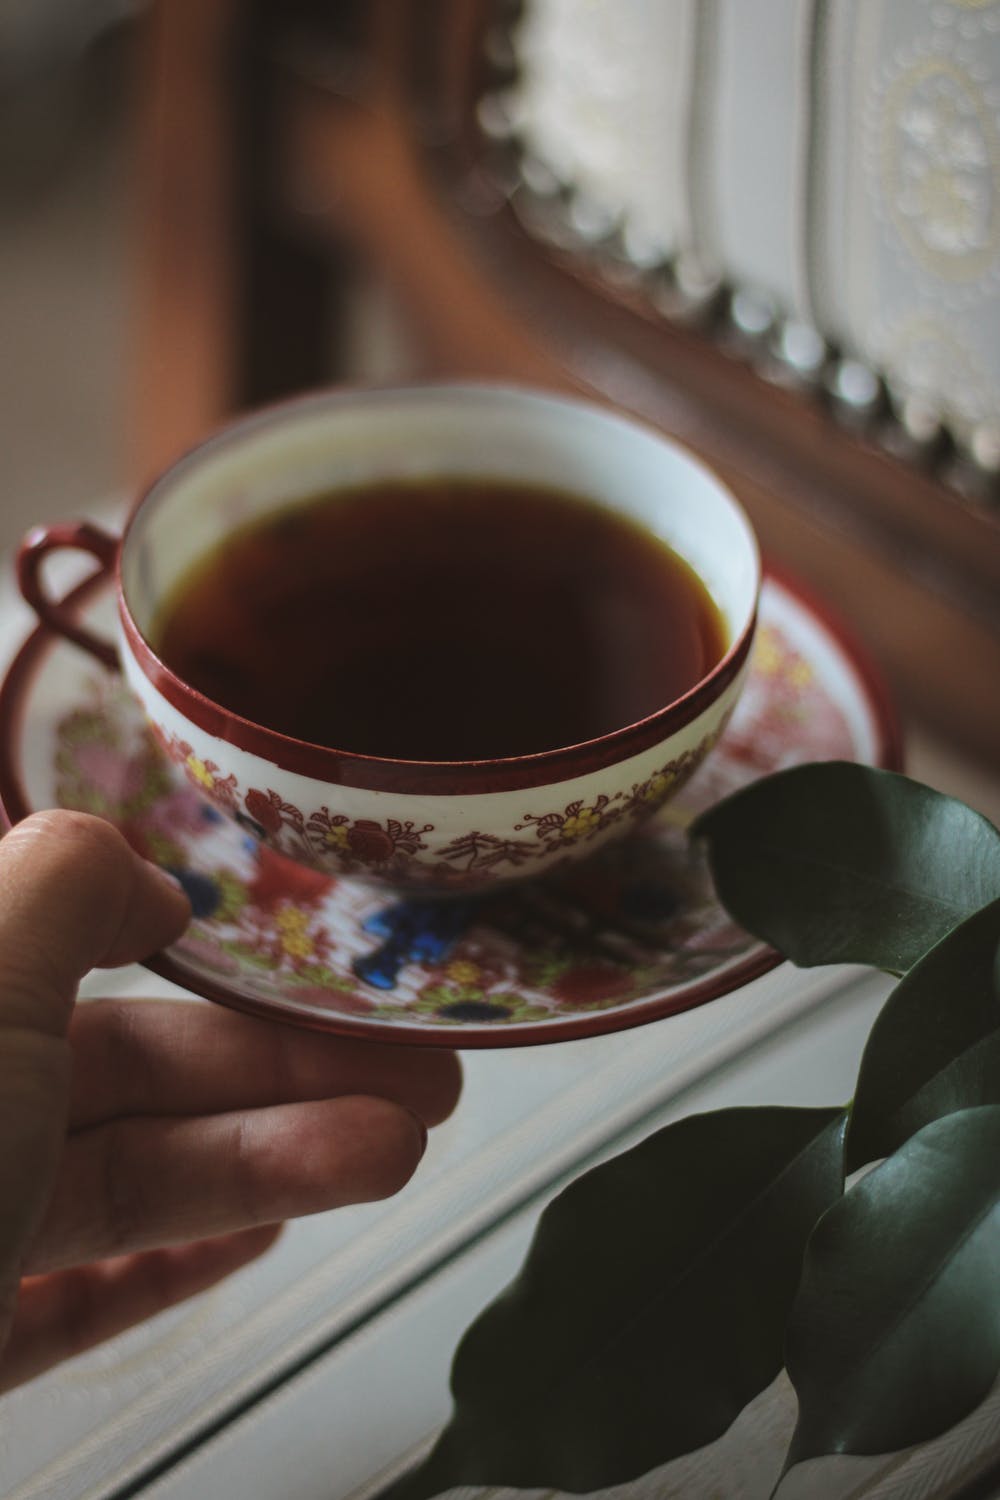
72	895
61	1315
136	1184
168	1057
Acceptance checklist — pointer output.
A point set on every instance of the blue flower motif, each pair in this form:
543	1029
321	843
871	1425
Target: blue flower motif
414	932
201	890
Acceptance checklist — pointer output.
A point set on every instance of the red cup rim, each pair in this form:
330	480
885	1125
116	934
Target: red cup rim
386	773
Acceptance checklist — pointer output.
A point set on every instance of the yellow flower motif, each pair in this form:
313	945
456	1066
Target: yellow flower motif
658	786
295	940
462	971
581	823
800	674
200	772
336	836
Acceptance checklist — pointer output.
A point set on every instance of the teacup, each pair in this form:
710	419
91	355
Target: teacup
436	824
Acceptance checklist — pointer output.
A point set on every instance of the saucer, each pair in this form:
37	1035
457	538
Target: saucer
635	934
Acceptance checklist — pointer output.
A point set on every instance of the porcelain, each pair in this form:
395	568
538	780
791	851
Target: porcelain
634	934
444	824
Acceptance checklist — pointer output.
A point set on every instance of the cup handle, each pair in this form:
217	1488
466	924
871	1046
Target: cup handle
57	614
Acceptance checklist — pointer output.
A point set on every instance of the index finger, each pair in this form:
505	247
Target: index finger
169	1057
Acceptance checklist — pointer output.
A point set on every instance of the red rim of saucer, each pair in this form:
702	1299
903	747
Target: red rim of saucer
417	777
14	806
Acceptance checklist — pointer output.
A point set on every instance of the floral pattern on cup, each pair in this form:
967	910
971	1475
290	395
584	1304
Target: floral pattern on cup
579	821
365	846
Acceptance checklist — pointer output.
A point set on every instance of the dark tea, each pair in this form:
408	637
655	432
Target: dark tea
456	619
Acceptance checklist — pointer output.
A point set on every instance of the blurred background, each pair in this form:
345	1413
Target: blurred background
67	134
204	207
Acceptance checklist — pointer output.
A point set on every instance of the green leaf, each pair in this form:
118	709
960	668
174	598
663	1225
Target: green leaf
895	1335
650	1309
935	1047
840	863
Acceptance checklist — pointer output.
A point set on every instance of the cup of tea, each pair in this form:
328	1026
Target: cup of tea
439	636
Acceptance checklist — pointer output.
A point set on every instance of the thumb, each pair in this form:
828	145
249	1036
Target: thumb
73	895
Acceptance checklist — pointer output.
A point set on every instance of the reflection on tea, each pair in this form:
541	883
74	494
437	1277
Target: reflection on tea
454	619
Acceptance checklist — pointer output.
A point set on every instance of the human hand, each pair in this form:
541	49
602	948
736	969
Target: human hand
149	1148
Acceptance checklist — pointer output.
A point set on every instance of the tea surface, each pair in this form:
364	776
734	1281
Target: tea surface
441	620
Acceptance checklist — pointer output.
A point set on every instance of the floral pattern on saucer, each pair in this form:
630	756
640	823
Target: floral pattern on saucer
604	934
637	923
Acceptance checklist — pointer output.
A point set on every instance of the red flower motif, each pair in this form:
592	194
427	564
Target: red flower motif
278	879
265	809
367	841
591	984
